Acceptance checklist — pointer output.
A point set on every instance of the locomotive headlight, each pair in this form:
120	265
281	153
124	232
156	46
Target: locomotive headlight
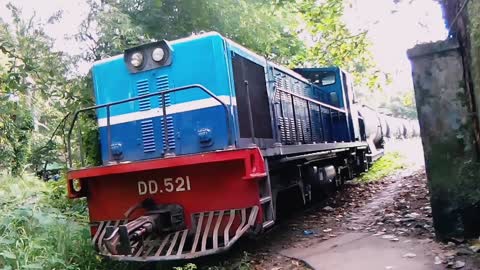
158	54
137	59
149	56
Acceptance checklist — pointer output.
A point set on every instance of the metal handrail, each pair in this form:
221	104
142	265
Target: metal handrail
308	101
164	114
312	100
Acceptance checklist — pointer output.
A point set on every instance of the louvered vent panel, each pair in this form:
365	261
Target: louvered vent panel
278	86
299	130
148	136
286	130
305	131
305	91
162	84
296	89
316	123
148	133
278	81
171	133
286	83
293	130
143	89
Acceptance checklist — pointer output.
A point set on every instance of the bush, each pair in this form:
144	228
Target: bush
56	198
41	229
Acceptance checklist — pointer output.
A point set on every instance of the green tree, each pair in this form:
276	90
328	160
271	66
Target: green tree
402	105
331	43
292	32
34	87
267	29
107	31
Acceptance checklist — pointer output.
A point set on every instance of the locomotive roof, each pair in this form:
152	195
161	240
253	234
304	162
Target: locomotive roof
237	47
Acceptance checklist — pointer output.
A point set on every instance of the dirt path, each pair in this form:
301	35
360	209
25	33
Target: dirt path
385	225
382	225
368	240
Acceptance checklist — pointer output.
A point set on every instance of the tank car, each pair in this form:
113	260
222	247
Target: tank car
415	128
198	136
384	126
395	127
374	129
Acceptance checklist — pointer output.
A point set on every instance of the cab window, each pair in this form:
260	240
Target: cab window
322	78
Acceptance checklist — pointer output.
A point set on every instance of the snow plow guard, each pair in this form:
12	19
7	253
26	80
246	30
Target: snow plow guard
187	244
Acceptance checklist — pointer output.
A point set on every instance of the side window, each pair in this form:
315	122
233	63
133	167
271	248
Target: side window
322	78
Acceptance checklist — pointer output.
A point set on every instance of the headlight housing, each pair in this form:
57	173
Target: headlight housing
158	54
136	59
148	56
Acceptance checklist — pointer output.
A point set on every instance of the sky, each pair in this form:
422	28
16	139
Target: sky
395	28
74	11
392	28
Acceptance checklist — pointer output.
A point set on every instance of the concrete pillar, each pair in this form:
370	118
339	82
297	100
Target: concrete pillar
447	133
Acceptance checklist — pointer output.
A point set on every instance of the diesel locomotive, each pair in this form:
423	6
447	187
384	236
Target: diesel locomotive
198	138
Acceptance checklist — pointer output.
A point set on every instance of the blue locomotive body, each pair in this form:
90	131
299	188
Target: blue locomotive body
268	105
195	121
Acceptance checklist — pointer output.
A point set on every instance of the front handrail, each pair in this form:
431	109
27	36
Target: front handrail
164	114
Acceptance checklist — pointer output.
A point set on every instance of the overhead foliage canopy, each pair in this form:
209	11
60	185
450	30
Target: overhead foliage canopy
263	27
44	84
291	32
331	43
38	86
31	82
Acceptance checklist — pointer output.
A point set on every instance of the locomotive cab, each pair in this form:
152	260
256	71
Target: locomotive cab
338	84
327	79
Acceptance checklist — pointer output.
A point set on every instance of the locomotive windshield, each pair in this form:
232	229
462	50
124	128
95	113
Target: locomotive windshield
321	78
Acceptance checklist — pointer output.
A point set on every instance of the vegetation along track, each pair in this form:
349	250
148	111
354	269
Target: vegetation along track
36	214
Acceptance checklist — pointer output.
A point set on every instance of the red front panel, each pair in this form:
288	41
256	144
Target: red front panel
209	184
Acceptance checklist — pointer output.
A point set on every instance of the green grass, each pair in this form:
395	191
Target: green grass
383	167
41	229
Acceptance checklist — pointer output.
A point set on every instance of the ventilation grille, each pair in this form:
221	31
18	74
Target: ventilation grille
143	89
148	136
162	84
278	81
170	133
147	130
316	123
